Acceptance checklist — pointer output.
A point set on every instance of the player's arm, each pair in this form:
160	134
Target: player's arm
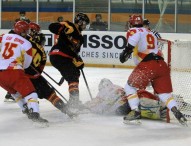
126	54
62	27
66	29
156	33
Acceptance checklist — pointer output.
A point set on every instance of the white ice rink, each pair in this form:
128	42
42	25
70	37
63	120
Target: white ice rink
88	129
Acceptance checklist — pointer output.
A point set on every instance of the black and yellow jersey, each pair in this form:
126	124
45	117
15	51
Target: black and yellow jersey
39	59
69	41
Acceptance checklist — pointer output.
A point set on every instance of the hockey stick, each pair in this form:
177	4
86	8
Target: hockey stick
58	83
86	83
48	83
55	89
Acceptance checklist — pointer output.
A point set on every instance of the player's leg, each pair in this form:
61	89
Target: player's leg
45	91
25	87
139	79
71	74
163	86
21	102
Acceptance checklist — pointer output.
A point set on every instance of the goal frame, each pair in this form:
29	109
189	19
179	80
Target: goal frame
169	47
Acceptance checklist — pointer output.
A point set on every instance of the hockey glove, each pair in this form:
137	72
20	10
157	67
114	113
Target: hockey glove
78	62
126	54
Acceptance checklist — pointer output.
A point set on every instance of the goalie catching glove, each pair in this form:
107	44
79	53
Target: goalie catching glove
126	54
78	62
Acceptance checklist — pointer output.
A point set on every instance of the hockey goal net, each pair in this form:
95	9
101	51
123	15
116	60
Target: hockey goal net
178	56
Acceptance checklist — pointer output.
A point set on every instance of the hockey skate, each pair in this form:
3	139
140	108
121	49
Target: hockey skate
123	109
26	110
72	108
38	121
68	111
133	117
179	116
75	107
9	98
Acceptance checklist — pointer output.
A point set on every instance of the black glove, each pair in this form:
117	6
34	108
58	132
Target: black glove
78	62
126	54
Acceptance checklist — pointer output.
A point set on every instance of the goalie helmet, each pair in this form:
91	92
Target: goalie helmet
81	19
104	83
21	27
136	20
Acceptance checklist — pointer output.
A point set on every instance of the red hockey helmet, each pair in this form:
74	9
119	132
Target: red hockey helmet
21	27
34	27
135	20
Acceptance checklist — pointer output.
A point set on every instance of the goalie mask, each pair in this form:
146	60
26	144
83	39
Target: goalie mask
104	83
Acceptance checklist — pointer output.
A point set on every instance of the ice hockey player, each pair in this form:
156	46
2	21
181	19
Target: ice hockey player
42	86
151	68
16	55
111	99
64	55
35	69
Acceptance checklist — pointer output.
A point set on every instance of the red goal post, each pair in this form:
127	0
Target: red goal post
177	54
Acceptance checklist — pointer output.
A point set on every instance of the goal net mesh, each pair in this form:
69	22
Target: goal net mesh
178	56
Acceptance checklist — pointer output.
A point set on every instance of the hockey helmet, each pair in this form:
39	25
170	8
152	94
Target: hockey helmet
146	22
136	20
21	27
34	27
81	18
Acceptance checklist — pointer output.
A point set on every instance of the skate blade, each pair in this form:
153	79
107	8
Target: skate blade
132	122
183	123
9	101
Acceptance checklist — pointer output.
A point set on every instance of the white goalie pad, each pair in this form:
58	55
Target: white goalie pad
108	98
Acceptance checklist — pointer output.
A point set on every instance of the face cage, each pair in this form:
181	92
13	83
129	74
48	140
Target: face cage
83	25
33	32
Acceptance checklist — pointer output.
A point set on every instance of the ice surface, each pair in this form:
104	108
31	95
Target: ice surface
88	129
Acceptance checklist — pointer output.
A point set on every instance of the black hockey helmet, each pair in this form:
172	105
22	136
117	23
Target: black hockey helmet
146	22
82	19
